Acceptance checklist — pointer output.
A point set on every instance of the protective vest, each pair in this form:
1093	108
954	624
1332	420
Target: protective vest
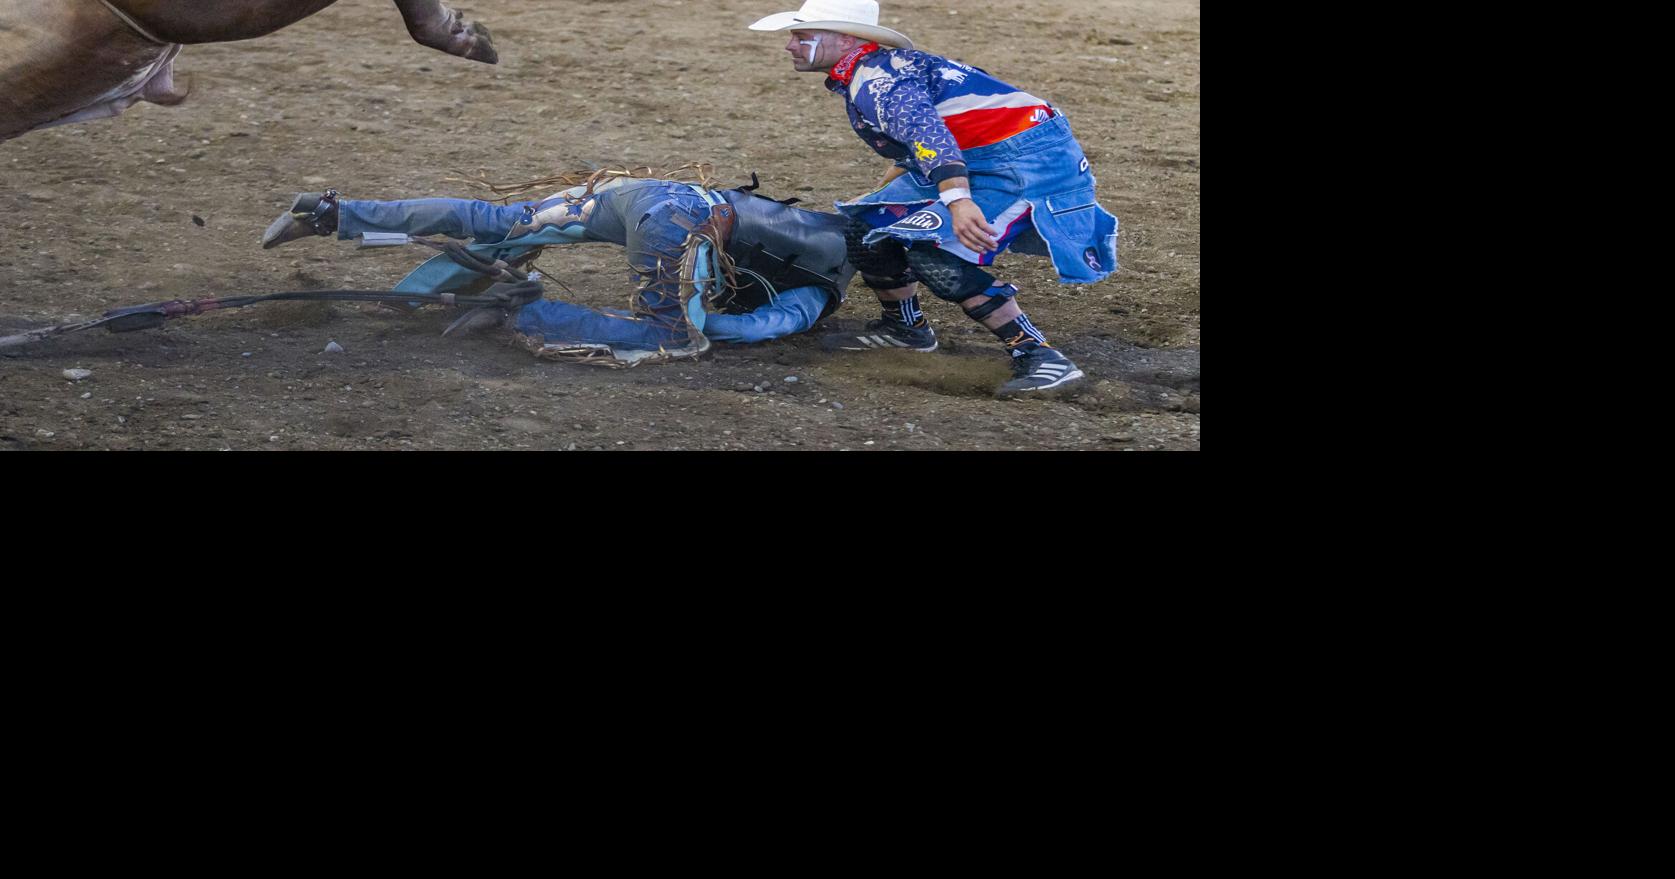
775	247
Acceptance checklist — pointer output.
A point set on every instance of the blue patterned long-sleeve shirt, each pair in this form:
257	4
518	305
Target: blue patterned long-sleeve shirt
922	109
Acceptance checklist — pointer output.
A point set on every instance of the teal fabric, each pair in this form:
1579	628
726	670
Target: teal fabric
701	276
439	274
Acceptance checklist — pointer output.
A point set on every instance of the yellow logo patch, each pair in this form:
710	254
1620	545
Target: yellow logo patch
925	153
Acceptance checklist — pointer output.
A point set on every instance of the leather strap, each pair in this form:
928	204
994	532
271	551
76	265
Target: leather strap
129	21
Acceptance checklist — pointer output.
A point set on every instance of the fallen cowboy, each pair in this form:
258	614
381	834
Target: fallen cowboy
766	268
727	265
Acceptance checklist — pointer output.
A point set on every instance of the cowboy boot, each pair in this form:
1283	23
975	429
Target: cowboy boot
503	316
486	317
313	213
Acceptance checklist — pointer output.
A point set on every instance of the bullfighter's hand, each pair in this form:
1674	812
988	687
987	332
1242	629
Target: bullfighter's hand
971	227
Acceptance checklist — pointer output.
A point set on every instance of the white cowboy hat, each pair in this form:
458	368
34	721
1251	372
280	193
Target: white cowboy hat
854	17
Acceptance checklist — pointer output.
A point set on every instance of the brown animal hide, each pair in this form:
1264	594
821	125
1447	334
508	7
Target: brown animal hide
60	58
219	21
65	61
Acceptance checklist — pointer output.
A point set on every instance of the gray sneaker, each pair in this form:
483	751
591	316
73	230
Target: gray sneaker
1042	369
883	334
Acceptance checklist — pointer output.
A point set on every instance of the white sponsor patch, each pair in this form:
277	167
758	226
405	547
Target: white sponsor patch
924	221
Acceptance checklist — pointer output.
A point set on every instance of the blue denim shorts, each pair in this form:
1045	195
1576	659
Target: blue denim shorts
1036	186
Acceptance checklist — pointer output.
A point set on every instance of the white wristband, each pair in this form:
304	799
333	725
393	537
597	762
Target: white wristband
949	196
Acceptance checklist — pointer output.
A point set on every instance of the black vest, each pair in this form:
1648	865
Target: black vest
775	247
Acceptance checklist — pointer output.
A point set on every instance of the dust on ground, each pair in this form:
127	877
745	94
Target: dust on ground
106	214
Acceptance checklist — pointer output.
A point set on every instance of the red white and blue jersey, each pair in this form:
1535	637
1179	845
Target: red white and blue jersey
912	105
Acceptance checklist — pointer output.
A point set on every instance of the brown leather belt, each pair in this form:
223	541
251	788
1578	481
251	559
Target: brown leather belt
720	224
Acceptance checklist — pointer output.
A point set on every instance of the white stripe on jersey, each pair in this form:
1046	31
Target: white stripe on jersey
954	106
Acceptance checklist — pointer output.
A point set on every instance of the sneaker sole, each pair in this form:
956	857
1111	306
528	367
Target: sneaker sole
864	346
1066	379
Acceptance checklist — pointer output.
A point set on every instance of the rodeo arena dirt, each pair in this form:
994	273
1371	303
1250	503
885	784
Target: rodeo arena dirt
170	202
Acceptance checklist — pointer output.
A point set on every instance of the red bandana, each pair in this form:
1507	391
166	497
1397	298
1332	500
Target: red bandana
844	70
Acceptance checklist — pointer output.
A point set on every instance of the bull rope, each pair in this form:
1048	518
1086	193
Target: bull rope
129	21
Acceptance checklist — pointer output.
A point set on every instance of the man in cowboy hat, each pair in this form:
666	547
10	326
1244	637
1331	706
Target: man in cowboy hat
980	166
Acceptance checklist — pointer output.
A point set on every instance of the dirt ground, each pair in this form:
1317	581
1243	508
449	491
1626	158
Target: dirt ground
108	213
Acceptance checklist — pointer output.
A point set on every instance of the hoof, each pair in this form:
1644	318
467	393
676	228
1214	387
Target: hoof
451	33
482	46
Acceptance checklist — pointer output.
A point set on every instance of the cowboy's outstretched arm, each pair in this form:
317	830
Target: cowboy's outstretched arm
793	311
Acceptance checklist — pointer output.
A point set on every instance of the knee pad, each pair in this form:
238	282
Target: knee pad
946	275
882	266
998	297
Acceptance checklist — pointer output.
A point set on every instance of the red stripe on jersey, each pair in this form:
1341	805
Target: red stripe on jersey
978	128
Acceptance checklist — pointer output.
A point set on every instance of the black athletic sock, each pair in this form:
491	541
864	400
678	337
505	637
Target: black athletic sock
1020	336
906	311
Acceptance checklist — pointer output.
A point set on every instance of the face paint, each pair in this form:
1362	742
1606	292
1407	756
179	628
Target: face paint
813	46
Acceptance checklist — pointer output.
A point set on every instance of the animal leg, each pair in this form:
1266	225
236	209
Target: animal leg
442	27
161	88
156	86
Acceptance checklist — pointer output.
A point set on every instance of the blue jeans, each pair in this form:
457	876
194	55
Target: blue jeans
453	217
